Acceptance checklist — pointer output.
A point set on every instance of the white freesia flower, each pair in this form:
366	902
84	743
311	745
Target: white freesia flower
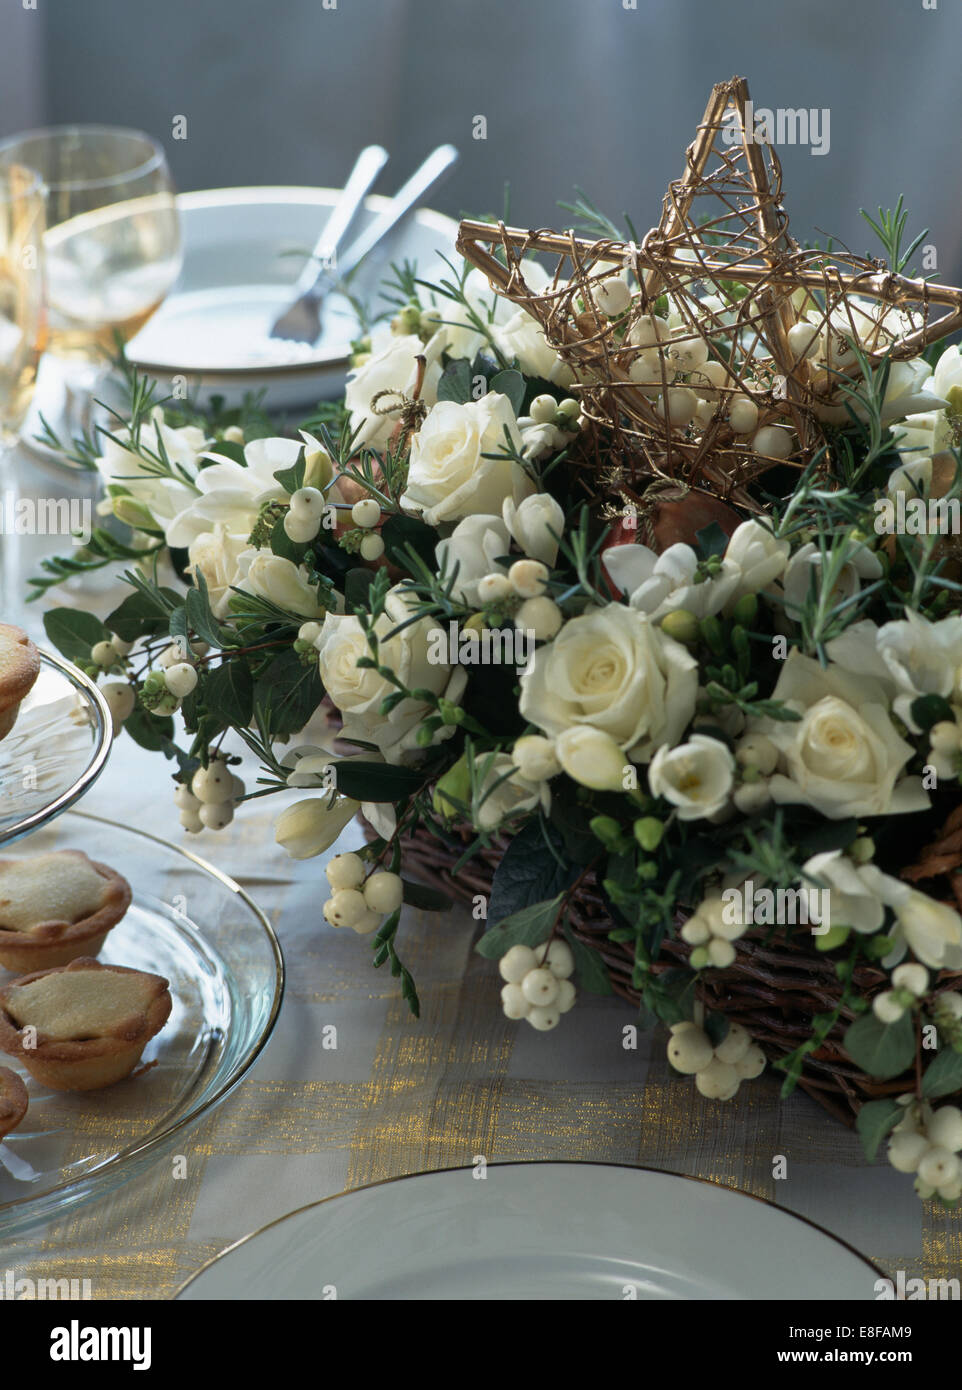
535	525
612	669
392	366
474	547
657	584
522	338
313	767
458	335
923	658
311	826
931	930
122	469
280	581
449	476
505	793
358	692
844	756
537	440
696	777
232	494
854	899
761	558
929	432
862	565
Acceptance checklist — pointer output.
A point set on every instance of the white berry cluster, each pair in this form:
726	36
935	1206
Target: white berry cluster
538	985
928	1142
358	902
945	748
120	695
718	1071
711	935
208	803
173	678
525	580
910	983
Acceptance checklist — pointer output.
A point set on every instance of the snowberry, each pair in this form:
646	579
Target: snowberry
307	502
751	797
560	960
887	1008
120	700
372	547
217	815
913	977
718	1080
543	409
690	1051
494	588
944	1128
924	1189
167	704
191	821
237	787
540	987
751	1063
802	339
906	1151
774	442
516	962
184	798
172	655
735	1044
742	414
612	296
514	1003
383	892
570	407
677	406
301	527
758	751
345	907
566	996
366	513
944	737
103	654
345	871
121	647
540	616
938	1166
544	1017
650	371
528	577
212	784
309	632
369	921
181	679
696	931
721	953
950	1003
648	330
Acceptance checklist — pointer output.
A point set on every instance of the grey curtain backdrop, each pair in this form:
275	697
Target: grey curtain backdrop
605	93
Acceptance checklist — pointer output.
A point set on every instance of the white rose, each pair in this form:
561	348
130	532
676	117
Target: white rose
931	930
311	826
473	548
522	338
658	584
358	692
761	558
844	756
231	494
862	564
448	475
504	793
127	472
697	777
392	366
611	668
535	525
280	582
923	658
217	556
853	891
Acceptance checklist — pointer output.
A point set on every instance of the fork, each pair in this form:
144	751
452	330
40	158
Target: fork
302	321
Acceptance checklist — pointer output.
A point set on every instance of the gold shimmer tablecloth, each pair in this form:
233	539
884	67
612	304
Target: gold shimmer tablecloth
399	1095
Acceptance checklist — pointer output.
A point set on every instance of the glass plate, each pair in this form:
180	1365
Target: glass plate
55	751
198	928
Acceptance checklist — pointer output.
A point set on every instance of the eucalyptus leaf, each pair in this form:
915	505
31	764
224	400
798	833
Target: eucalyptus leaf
511	384
881	1049
590	971
943	1075
456	382
533	868
73	632
875	1119
529	927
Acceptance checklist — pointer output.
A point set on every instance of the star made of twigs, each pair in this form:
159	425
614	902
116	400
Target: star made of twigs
718	347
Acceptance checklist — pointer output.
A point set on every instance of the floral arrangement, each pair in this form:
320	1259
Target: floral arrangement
734	725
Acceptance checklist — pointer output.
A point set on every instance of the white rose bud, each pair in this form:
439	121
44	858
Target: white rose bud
591	757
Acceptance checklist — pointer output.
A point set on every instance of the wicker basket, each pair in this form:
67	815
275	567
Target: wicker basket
772	989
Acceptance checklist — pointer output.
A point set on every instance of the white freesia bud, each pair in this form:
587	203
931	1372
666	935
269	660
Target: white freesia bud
592	757
535	524
534	757
697	777
311	826
283	583
759	556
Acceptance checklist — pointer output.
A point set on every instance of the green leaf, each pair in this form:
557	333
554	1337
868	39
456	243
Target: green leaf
292	478
875	1119
881	1049
370	781
529	871
943	1076
399	532
282	545
229	693
510	384
590	970
456	382
428	899
712	540
199	616
671	994
287	693
831	835
73	632
141	615
529	927
150	731
931	709
357	585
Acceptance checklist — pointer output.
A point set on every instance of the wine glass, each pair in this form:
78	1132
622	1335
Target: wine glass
22	328
112	250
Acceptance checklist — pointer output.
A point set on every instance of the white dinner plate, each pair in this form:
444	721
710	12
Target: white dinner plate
538	1231
243	251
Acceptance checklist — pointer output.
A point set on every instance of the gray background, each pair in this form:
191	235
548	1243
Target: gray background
586	91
